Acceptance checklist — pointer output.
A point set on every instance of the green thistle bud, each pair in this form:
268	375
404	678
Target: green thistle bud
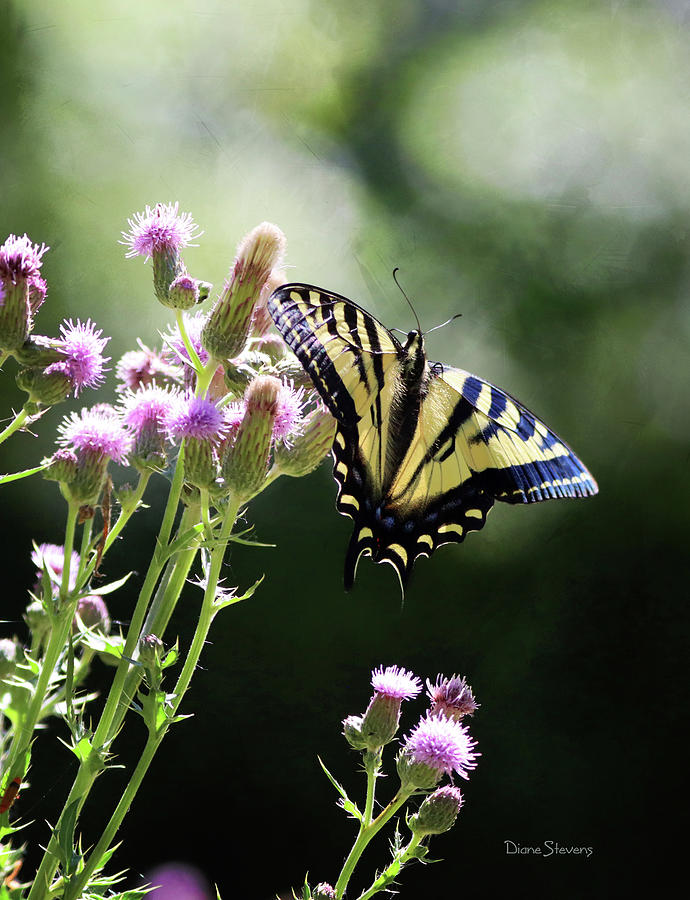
291	369
8	657
352	730
245	462
37	620
62	467
200	462
150	651
273	346
149	450
380	722
183	292
47	388
308	448
227	329
38	351
15	315
167	267
414	774
438	812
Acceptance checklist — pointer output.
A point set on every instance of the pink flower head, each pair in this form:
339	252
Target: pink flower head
451	696
149	405
289	412
82	345
441	744
51	557
142	367
20	260
97	432
159	230
395	682
196	417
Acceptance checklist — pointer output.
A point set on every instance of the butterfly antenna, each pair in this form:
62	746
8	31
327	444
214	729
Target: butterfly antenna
443	324
409	302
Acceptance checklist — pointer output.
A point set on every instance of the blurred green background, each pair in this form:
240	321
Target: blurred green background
525	164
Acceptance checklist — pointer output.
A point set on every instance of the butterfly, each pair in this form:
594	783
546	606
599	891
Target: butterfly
422	450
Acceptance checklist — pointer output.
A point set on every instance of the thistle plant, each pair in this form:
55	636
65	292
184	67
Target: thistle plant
219	410
438	746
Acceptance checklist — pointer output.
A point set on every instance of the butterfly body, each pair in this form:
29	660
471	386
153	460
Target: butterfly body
422	450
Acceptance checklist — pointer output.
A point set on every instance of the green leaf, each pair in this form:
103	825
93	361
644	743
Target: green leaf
347	804
65	835
114	585
227	598
15	476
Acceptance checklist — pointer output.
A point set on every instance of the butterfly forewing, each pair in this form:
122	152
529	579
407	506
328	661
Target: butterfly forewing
418	463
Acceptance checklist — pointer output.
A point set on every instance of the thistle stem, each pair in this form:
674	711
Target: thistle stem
16	423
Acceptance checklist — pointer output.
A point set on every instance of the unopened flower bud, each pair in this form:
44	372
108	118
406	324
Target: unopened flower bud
309	447
227	329
43	386
8	657
323	891
438	812
245	462
38	350
62	467
352	730
93	613
150	650
183	293
37	620
273	346
200	462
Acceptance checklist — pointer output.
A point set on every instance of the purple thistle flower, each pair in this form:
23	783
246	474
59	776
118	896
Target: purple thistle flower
82	345
149	405
289	412
441	744
196	417
20	260
159	230
451	696
142	367
51	557
395	682
97	432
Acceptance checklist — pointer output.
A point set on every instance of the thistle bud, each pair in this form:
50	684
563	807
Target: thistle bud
200	462
323	891
414	774
150	650
62	467
8	657
184	292
93	614
43	386
273	346
309	447
38	350
37	620
22	290
438	812
227	329
245	461
352	730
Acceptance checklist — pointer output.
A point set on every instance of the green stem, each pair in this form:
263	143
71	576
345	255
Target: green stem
385	877
366	833
56	645
87	772
155	738
16	423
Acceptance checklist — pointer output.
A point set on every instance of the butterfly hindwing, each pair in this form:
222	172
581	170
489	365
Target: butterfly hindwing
422	450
